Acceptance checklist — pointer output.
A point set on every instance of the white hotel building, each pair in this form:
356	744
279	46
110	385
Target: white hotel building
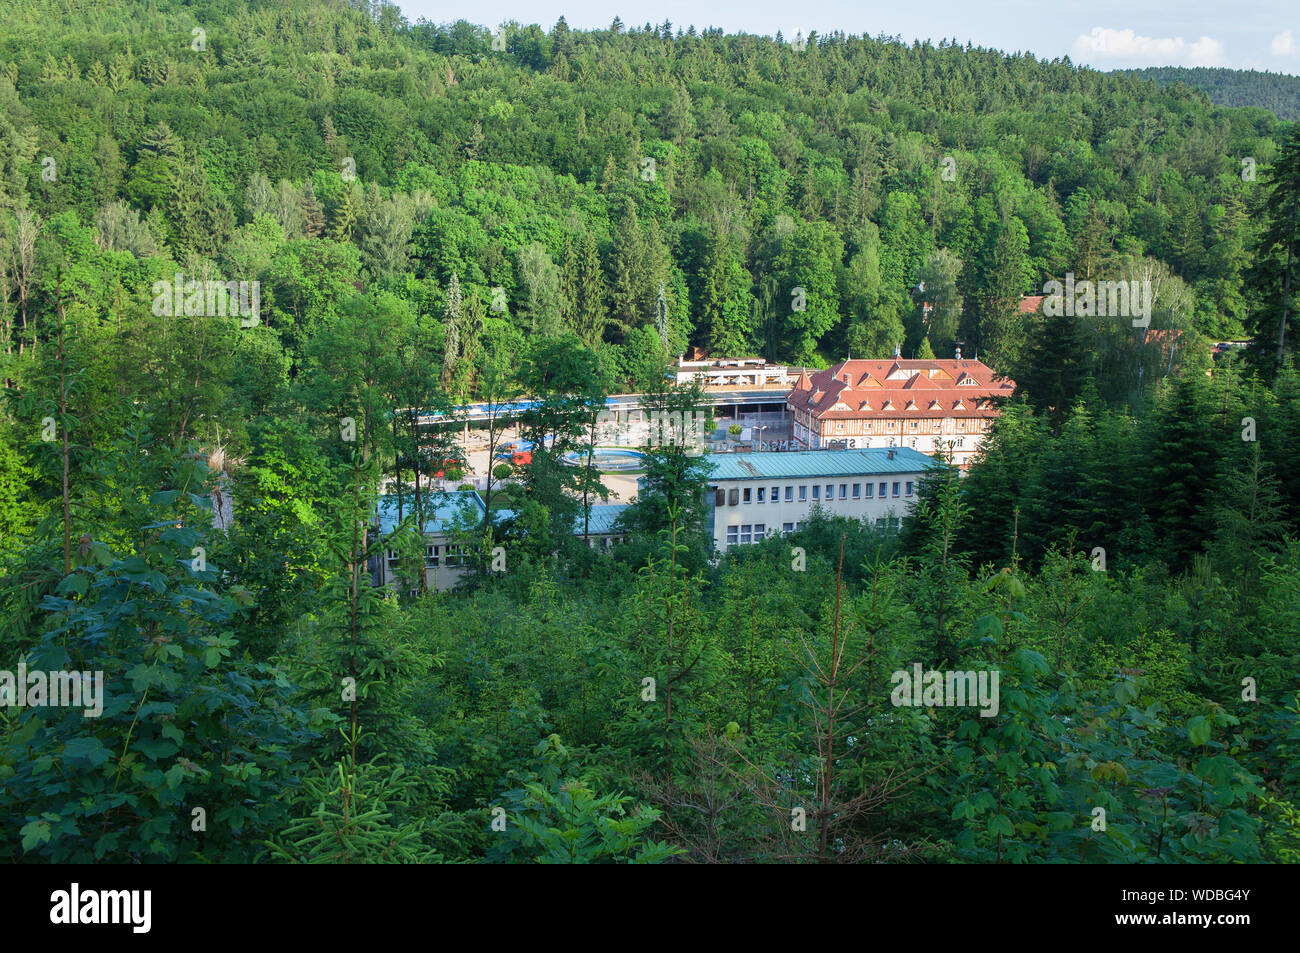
764	494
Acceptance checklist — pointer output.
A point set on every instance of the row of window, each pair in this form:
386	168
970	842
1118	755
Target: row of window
754	532
745	533
860	491
451	555
914	425
434	555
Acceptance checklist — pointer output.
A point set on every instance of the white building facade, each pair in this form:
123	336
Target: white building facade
766	494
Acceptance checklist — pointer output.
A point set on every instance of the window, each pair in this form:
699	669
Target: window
817	491
431	555
803	493
744	495
760	530
909	487
830	491
896	489
789	493
731	535
884	490
787	527
870	488
857	490
844	491
776	494
746	533
762	494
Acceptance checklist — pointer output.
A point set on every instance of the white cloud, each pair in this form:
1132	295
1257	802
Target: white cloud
1282	44
1106	44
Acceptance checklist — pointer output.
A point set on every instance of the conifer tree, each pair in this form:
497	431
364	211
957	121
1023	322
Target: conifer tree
1055	363
1275	278
586	281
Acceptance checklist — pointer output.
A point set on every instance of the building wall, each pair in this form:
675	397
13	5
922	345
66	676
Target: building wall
444	565
960	435
785	515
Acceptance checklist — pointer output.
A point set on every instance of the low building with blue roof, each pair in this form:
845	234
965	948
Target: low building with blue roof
444	512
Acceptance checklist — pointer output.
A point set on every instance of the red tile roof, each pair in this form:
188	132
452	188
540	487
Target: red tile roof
856	389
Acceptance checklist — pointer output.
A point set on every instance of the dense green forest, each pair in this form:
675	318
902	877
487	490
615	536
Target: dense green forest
1278	92
435	213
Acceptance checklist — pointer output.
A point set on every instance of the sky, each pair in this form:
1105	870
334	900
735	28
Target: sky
1105	34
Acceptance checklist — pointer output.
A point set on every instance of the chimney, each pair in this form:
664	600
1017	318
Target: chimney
897	351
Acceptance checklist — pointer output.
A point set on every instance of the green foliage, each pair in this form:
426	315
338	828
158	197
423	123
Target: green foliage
187	721
554	818
352	820
431	223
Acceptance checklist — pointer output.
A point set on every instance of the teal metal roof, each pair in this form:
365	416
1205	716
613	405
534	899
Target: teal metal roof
602	518
793	464
439	510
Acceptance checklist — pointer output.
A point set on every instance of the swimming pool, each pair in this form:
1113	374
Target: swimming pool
607	459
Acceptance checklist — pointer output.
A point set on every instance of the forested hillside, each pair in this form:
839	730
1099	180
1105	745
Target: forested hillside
429	214
1278	92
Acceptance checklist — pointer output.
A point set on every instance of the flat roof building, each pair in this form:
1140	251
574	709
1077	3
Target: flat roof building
765	494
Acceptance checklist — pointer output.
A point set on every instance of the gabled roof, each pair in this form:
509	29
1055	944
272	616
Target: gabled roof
922	382
882	387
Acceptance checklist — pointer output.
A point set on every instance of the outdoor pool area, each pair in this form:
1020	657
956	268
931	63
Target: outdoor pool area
607	459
